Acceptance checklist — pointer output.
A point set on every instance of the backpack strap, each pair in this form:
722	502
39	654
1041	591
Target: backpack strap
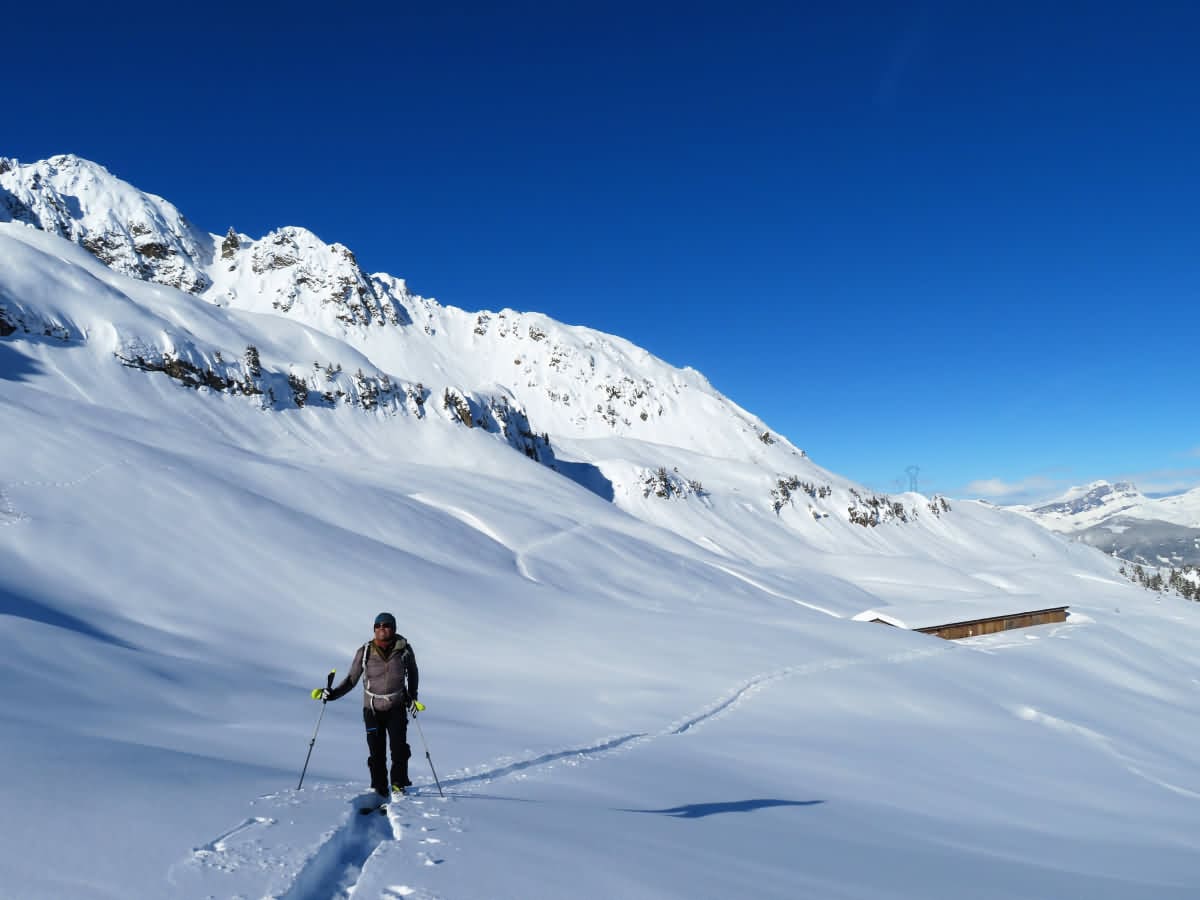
366	654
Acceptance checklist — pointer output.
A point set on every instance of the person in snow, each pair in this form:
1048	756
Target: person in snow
389	671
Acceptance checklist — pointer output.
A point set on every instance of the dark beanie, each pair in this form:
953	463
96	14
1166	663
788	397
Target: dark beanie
385	619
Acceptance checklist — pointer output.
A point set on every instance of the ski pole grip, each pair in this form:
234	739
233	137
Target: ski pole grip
329	680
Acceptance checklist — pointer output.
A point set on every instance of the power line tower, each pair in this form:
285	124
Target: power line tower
913	472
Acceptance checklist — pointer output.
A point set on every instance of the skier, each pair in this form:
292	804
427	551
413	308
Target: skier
389	695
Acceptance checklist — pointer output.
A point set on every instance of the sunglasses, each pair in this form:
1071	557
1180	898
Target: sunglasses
383	625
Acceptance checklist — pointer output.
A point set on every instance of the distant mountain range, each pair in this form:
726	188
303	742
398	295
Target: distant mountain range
1118	519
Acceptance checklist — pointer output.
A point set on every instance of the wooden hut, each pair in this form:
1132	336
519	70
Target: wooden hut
953	620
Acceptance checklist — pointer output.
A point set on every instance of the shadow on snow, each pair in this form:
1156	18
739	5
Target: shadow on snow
700	810
587	476
16	366
12	604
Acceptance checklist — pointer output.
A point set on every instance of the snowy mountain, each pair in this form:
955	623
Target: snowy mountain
365	342
632	602
569	381
1081	507
136	234
1120	520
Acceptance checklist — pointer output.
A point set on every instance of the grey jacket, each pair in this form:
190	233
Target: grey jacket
391	677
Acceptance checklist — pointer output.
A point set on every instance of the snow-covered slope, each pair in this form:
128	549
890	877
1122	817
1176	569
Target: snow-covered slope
635	634
1179	509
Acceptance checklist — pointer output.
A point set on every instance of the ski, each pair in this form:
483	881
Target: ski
381	807
372	802
379	804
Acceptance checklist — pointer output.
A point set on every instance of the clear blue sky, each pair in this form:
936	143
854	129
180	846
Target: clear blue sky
952	235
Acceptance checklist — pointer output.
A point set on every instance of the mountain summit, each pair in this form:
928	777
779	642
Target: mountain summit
134	233
1083	506
1118	519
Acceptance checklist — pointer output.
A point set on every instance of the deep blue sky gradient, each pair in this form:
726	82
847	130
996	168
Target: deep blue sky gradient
934	233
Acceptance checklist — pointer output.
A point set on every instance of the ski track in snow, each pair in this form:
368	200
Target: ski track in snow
473	521
520	554
334	871
1083	576
1104	743
9	514
467	518
572	754
361	857
766	590
73	483
754	685
220	843
523	553
51	361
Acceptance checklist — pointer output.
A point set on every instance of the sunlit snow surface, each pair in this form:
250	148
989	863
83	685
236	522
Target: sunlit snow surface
627	696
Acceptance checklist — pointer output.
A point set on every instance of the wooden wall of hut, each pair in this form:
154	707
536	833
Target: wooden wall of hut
957	630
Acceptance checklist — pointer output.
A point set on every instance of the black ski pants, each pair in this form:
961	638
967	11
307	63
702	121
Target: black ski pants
384	728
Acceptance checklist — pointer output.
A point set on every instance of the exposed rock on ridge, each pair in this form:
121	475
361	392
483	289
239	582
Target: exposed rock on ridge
137	234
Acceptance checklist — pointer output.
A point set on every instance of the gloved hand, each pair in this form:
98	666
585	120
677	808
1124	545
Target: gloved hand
415	707
321	693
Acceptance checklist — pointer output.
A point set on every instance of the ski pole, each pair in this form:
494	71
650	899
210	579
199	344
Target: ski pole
427	757
328	686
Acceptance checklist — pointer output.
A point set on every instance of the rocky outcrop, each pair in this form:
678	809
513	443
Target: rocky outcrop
231	244
498	413
133	233
297	271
